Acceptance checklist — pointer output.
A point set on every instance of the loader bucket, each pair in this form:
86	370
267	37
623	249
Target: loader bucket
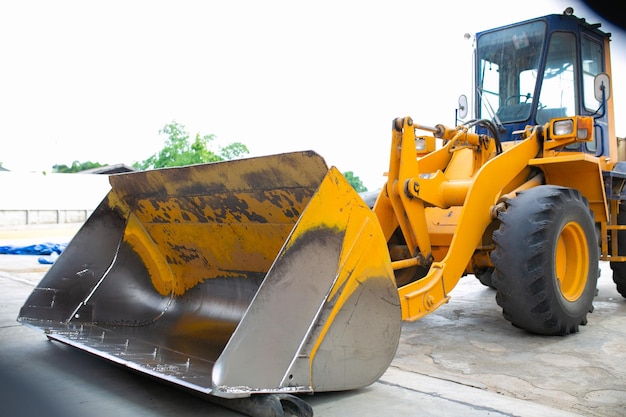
261	275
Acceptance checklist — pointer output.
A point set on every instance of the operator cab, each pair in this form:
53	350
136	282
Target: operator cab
530	72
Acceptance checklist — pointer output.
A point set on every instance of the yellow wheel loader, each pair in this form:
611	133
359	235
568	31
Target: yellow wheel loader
253	280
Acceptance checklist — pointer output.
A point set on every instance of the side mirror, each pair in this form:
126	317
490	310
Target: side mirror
602	84
462	109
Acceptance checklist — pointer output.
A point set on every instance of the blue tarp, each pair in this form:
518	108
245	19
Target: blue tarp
49	250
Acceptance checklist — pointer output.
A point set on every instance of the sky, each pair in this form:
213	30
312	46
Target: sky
97	81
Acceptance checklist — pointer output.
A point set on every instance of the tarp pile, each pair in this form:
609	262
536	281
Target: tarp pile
49	251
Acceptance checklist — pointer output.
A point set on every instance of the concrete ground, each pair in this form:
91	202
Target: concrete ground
462	360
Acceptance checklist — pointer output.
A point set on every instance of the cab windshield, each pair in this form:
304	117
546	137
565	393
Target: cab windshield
508	63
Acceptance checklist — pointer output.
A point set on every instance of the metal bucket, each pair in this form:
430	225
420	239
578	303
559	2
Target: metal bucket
261	275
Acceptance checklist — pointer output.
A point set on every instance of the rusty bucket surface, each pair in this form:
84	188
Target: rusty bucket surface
261	275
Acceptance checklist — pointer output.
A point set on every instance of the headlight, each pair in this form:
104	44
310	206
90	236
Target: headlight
563	127
424	145
566	130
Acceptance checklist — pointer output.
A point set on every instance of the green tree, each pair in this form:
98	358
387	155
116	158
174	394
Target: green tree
76	167
179	150
355	181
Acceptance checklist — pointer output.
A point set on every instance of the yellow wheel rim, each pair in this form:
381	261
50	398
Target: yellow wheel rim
571	261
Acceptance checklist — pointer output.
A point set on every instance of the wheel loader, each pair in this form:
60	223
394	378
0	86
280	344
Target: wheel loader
255	280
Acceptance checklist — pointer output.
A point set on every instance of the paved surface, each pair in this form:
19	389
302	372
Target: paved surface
462	360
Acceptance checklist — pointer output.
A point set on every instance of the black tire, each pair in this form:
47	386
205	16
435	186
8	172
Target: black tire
546	260
485	276
619	268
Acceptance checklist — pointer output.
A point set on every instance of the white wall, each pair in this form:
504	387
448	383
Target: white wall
28	198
